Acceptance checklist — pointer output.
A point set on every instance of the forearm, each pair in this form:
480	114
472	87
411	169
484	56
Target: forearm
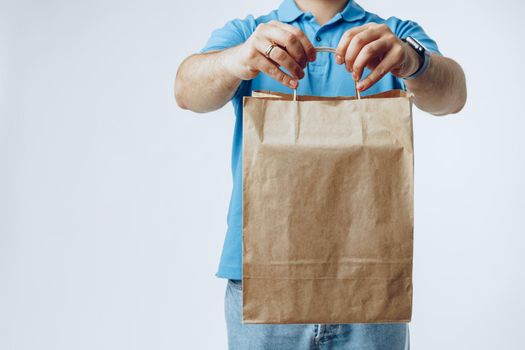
203	83
441	89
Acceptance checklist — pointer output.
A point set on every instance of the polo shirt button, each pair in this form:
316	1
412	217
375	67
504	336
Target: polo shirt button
318	38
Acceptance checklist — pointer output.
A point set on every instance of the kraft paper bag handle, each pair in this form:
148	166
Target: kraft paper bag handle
331	50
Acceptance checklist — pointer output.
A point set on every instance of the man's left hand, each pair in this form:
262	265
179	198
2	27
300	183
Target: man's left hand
375	46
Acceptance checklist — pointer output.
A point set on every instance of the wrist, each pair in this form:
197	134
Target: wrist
413	62
225	69
227	61
423	56
417	61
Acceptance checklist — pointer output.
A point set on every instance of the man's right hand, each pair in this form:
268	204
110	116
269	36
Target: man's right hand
206	82
292	52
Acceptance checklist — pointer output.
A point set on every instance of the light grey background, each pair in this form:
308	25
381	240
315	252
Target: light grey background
113	200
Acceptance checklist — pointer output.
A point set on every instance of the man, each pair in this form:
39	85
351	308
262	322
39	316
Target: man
277	52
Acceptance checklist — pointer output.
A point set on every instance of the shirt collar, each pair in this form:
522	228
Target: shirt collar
352	12
289	12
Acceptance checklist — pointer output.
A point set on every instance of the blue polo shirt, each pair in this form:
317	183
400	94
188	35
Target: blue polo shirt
323	77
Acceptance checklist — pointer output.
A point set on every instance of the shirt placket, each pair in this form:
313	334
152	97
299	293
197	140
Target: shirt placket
318	39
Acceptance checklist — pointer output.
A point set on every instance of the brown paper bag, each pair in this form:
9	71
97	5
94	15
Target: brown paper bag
327	209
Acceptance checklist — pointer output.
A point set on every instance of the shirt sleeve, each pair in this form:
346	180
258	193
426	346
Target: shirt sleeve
233	33
402	29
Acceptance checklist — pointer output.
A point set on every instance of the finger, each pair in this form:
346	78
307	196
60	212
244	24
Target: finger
283	59
307	45
341	48
356	45
386	65
288	41
374	62
369	52
272	70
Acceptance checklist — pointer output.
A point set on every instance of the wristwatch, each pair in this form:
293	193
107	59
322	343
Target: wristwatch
422	52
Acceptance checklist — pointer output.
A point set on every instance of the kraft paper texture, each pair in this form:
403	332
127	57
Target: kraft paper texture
327	209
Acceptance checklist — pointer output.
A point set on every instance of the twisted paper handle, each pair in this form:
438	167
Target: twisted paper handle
332	50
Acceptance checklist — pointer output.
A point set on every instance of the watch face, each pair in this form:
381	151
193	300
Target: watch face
417	45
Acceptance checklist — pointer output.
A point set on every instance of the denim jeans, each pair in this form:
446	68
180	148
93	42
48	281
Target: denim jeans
357	336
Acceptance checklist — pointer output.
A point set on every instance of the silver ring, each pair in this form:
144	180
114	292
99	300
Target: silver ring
269	50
